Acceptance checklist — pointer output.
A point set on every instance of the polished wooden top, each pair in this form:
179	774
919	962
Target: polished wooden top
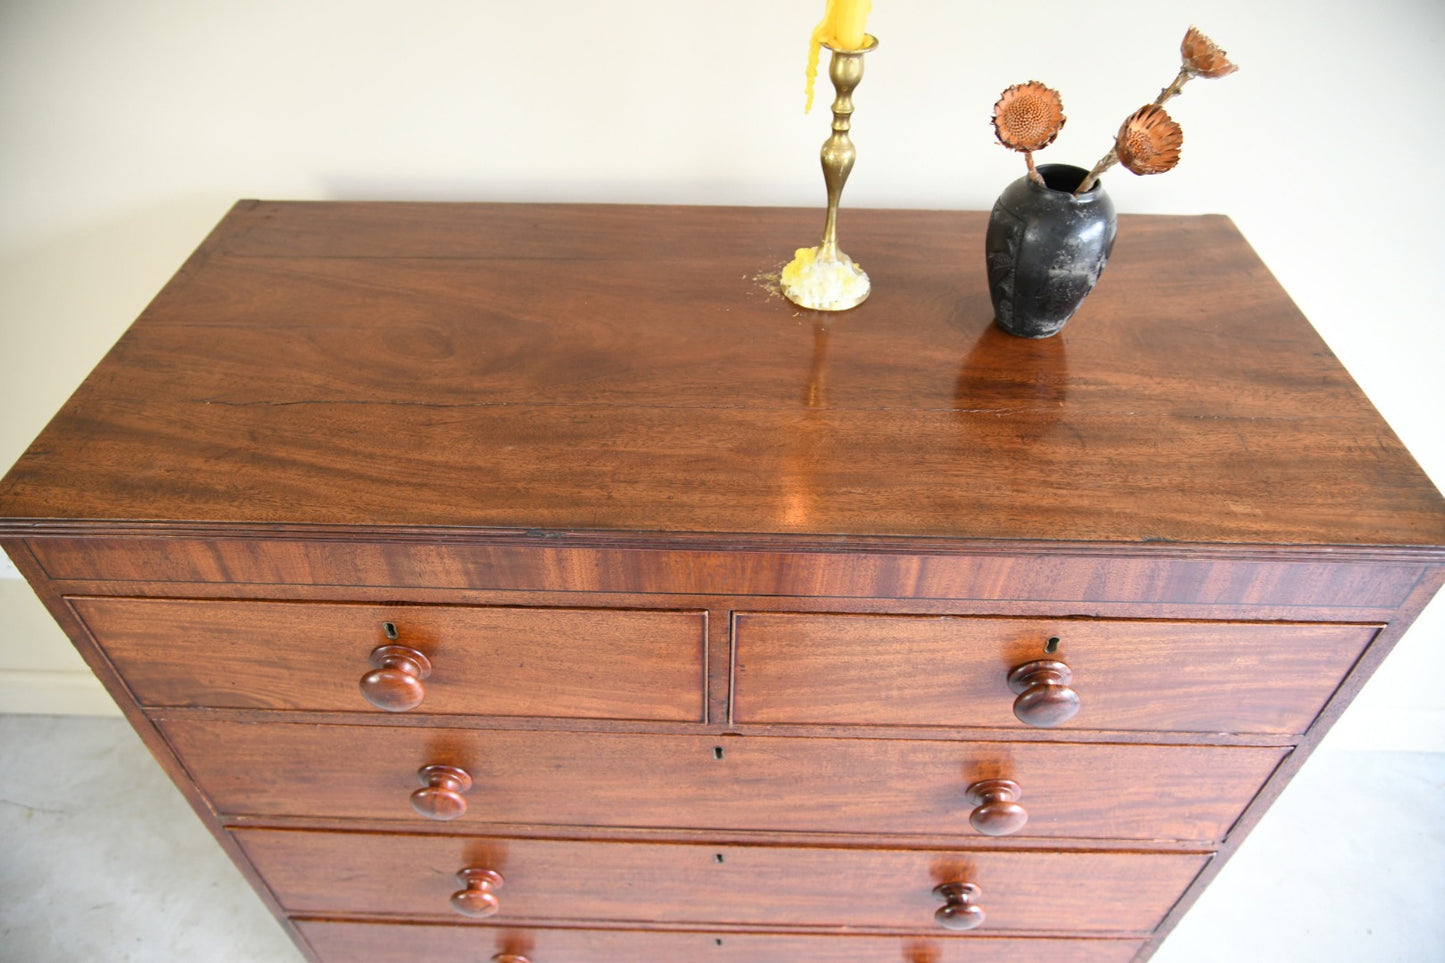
628	369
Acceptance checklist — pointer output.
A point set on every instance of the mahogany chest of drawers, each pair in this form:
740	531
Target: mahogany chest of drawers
534	583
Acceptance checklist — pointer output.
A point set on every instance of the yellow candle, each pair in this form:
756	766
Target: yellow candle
848	19
841	28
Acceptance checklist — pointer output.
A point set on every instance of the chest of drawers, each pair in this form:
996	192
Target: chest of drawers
533	583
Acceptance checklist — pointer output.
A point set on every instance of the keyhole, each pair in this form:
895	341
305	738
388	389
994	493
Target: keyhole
1051	646
717	857
390	629
717	752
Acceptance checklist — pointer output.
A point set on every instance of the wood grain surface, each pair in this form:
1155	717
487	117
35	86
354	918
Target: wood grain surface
1101	894
563	663
851	787
1154	579
930	671
628	369
347	942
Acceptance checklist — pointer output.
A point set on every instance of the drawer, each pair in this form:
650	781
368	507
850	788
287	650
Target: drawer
407	943
1103	893
565	663
1204	677
749	783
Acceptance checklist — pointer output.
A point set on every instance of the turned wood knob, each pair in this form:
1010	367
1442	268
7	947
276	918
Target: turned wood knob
996	808
959	911
440	796
479	899
394	682
510	958
1045	698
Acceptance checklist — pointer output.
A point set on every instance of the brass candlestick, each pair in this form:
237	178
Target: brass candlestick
824	278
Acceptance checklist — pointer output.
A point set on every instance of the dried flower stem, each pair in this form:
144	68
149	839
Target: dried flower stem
1174	89
1034	174
1110	159
1105	162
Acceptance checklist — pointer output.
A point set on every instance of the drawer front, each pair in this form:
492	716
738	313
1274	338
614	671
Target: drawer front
1118	894
564	663
407	943
765	784
869	670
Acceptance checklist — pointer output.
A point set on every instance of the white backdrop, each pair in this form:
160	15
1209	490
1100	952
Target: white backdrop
129	126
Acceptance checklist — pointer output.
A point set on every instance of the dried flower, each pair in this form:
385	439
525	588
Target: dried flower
1202	56
1028	116
1149	141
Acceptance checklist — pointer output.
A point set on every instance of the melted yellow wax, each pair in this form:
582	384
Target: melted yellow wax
827	284
803	258
842	29
814	46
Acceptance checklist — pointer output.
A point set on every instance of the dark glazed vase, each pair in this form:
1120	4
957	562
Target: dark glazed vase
1046	249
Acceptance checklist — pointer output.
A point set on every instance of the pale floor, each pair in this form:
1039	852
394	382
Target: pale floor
101	859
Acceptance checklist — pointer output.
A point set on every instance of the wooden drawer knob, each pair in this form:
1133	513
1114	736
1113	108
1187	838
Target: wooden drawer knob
996	808
479	899
440	796
959	911
394	682
1045	698
509	958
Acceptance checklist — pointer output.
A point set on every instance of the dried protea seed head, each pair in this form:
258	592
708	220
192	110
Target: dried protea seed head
1202	56
1028	116
1149	141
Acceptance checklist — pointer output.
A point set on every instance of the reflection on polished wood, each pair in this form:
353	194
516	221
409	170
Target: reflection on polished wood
656	387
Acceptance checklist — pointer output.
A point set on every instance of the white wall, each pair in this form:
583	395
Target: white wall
128	127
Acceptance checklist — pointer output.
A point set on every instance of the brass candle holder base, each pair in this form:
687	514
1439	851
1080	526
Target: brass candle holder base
823	278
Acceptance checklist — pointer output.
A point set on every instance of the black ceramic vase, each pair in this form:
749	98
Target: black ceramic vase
1046	249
